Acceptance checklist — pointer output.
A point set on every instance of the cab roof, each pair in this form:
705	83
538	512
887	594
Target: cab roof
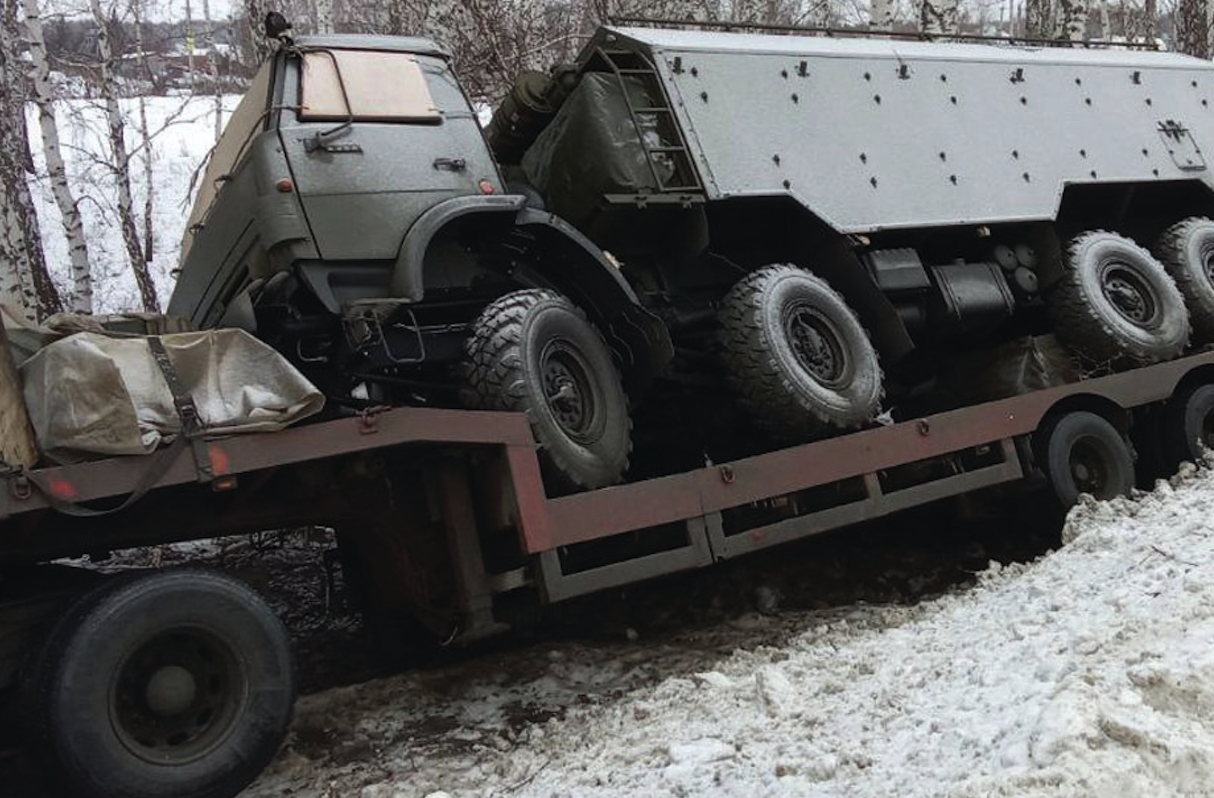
359	41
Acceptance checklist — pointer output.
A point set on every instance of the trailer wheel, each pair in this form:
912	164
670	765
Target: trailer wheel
173	684
1186	250
1082	452
1188	424
533	351
796	355
1116	304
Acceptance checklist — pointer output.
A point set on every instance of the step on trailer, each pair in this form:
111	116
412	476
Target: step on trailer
178	681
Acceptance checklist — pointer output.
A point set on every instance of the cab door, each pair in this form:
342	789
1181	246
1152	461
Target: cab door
378	137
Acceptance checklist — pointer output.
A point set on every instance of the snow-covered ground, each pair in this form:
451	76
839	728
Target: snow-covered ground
1088	672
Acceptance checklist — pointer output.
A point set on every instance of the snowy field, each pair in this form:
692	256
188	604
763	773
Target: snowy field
1089	672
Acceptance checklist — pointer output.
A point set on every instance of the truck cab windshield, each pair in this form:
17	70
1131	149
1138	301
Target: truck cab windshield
340	85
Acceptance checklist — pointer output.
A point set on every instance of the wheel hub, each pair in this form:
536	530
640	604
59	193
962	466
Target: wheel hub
175	696
171	691
1207	262
1207	431
567	390
1088	469
1128	294
815	344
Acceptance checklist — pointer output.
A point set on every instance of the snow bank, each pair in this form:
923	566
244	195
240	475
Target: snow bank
1089	672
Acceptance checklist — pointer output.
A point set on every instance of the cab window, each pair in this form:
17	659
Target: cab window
378	87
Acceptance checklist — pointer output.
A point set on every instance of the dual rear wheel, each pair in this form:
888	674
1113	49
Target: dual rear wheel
1083	452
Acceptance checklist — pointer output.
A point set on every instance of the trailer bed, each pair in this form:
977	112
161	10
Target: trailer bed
716	512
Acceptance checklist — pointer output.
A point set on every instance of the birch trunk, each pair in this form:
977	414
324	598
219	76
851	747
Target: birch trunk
1039	19
217	89
189	43
1192	31
1106	26
324	16
25	283
256	15
938	17
1150	20
1072	20
122	166
81	298
881	15
149	199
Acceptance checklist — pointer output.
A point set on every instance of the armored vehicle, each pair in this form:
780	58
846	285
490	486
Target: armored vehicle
722	238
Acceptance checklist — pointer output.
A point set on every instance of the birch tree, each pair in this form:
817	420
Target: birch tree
255	15
1140	24
938	17
324	16
883	15
81	296
116	128
1192	27
25	282
216	93
1039	17
1072	20
149	197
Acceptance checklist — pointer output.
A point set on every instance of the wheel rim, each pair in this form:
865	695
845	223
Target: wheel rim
816	343
1206	263
1201	426
569	390
1089	468
1128	293
175	697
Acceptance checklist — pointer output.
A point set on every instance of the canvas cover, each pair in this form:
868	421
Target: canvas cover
92	395
592	148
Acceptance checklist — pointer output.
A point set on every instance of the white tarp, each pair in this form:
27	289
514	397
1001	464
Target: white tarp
91	395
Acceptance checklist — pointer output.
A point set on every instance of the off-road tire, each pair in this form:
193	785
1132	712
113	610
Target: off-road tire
1115	305
1186	250
1081	452
796	356
1188	424
168	684
534	352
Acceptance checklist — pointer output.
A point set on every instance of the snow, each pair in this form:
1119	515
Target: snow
1089	672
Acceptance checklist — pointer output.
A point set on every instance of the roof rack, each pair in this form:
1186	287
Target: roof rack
871	33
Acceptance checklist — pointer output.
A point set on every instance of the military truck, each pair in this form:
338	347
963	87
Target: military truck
722	238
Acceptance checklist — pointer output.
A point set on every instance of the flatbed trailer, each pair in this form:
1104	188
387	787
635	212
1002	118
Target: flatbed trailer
442	519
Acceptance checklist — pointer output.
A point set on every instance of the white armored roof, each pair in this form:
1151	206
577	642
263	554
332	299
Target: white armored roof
859	46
